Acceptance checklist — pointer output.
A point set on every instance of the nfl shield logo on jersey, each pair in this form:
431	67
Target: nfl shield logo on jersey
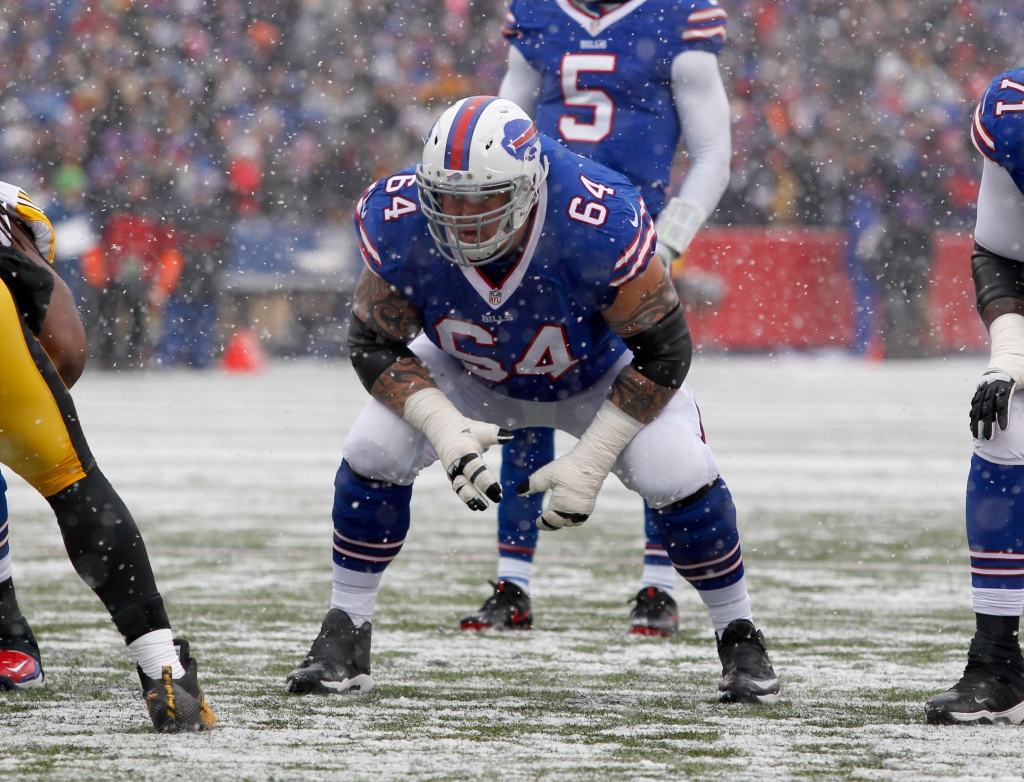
494	298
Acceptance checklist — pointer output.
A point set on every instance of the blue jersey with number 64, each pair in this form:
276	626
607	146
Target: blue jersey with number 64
534	331
607	89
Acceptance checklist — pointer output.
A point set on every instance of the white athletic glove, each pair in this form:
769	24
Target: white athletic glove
676	226
990	407
575	479
19	204
459	442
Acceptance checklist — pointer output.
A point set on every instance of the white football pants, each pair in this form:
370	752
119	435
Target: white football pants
667	461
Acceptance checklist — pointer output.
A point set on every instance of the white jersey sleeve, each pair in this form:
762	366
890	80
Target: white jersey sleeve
703	109
522	83
1000	226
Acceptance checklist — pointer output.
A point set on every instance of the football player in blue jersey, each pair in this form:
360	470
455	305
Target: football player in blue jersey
619	83
532	274
992	687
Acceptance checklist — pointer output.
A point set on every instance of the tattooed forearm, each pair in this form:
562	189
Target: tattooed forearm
384	309
639	397
400	381
648	308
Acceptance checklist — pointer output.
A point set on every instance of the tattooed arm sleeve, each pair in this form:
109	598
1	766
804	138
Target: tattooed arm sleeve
647	315
383	322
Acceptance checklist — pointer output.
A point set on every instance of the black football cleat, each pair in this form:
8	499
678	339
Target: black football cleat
507	609
655	613
177	705
339	661
979	698
747	673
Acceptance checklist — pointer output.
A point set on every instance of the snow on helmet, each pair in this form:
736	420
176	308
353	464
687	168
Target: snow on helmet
479	147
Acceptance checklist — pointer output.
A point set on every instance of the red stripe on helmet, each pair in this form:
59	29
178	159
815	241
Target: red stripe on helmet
459	138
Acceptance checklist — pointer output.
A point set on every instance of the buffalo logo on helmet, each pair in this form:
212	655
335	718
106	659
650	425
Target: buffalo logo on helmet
520	139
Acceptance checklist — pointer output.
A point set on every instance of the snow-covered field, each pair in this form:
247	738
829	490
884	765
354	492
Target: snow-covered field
849	478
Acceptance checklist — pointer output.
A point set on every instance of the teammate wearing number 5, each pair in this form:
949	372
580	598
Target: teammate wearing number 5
532	274
618	83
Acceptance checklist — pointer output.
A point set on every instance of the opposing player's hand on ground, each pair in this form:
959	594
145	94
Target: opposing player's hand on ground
573	482
460	443
990	406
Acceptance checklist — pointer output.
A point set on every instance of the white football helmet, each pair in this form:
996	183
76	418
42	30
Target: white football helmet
479	147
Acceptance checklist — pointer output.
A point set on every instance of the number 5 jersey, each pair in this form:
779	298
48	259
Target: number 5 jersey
535	333
607	77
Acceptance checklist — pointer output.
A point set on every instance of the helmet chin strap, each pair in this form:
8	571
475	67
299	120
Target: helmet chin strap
515	245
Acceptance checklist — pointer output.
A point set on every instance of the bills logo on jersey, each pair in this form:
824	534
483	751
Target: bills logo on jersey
520	139
494	297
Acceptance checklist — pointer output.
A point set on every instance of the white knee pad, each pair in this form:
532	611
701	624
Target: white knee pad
383	446
1007	447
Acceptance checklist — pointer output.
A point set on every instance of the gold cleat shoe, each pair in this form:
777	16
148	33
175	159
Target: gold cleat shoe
177	705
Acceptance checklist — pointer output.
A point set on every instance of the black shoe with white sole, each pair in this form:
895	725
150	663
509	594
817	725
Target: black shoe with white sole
979	698
747	673
992	687
339	661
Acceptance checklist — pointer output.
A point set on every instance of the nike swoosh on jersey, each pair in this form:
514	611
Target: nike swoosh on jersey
635	222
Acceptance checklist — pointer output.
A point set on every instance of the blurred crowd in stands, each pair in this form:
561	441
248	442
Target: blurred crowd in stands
163	122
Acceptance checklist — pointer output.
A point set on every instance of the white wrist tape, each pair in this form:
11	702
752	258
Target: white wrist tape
430	411
1007	333
608	434
678	223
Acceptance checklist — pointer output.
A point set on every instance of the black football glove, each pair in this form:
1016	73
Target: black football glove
990	406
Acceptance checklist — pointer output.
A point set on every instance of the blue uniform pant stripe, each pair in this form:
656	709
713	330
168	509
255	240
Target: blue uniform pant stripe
995	524
702	540
517	531
371	520
654	552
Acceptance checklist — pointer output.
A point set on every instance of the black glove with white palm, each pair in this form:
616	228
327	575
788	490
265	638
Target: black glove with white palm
575	479
990	406
460	443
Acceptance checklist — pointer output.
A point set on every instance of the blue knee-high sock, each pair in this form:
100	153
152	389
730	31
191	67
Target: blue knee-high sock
701	539
654	552
995	534
517	532
371	519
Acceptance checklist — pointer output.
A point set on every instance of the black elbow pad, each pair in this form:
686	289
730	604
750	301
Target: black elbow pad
372	353
31	286
663	352
995	277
